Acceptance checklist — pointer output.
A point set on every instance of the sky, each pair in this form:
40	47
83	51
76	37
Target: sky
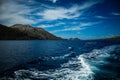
84	19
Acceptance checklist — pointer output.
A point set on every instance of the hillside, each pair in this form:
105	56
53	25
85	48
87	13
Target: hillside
110	38
7	33
113	38
24	32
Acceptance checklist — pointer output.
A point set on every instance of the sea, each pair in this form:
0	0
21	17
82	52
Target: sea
59	60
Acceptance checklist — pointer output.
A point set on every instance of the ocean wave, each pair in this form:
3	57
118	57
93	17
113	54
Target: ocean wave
98	55
75	69
80	72
82	67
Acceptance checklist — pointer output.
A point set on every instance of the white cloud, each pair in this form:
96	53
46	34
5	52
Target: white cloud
45	26
66	13
86	24
54	1
101	17
59	13
89	4
73	28
81	26
116	14
76	28
50	25
13	12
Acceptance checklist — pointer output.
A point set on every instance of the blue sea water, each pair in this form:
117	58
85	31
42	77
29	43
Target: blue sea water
59	60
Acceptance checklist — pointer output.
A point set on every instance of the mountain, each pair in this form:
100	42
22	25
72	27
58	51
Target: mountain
25	32
7	33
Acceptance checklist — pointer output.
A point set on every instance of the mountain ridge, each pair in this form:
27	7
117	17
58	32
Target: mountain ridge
25	32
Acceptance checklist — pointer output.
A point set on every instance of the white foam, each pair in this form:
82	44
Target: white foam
98	55
61	57
81	72
87	73
78	68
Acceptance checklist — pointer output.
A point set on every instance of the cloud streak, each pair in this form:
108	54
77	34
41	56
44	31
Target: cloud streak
13	12
81	26
115	14
66	13
50	25
100	17
76	28
59	13
54	1
86	24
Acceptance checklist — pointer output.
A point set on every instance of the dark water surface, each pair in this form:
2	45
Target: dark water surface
59	60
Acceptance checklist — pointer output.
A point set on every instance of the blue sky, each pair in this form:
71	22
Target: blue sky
85	19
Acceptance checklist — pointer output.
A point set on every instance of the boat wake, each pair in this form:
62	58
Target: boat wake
82	67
